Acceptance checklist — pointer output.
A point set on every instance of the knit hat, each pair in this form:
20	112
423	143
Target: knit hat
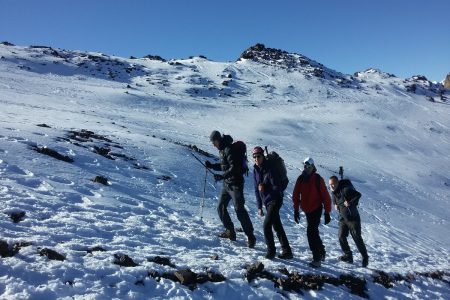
257	150
308	161
215	136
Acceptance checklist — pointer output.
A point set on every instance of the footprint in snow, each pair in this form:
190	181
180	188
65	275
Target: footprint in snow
19	171
60	180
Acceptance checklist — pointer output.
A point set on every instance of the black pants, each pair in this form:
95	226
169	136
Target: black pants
237	194
312	231
272	220
354	228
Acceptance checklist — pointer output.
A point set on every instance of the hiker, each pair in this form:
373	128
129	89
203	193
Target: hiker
233	187
346	199
269	190
310	193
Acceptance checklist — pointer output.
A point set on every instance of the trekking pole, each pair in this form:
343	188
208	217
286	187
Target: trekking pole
202	203
203	164
341	172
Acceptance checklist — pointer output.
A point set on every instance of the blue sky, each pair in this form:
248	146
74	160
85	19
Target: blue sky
403	37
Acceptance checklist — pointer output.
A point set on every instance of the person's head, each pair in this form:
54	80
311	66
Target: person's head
308	165
215	138
333	182
258	155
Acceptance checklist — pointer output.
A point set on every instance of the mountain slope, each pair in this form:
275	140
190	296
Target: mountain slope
392	142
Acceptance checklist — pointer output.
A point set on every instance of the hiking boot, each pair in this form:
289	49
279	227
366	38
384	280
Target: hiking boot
228	234
251	241
315	264
286	255
365	261
348	258
322	255
270	254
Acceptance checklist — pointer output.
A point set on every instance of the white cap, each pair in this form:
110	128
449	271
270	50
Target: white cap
308	161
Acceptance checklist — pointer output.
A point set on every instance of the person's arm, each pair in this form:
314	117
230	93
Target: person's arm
296	194
257	195
325	196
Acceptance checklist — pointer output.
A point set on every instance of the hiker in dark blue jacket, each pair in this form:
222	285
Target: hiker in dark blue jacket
268	191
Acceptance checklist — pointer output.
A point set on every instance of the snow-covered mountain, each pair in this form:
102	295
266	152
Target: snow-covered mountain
135	122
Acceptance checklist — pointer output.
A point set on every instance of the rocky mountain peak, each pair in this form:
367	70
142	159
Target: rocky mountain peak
447	81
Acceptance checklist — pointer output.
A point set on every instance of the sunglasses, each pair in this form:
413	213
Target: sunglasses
257	156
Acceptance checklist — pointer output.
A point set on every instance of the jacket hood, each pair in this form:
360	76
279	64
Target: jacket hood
226	141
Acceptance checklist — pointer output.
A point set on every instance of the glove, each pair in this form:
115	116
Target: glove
208	164
218	177
296	216
327	218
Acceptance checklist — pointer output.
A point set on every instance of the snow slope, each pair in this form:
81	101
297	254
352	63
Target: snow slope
393	143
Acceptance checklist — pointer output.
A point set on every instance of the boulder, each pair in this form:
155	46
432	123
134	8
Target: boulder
447	81
124	260
51	254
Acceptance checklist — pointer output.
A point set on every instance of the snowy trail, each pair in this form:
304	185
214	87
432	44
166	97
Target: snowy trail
151	206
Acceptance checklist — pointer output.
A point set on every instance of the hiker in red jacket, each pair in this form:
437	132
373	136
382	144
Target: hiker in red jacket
310	193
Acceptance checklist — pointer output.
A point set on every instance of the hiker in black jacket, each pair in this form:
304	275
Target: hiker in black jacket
268	190
345	199
233	188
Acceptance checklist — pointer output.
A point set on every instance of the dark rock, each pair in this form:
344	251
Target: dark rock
85	136
43	125
101	179
215	277
52	153
39	47
253	270
356	285
165	261
140	282
154	57
103	151
384	279
215	257
164	177
51	254
6	43
95	249
124	260
186	277
202	56
132	57
69	282
4	249
447	81
18	246
17	216
225	83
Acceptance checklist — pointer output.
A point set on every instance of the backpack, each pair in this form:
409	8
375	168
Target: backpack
240	149
348	183
276	163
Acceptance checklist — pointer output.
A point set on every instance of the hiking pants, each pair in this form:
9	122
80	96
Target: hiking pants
237	194
312	231
272	220
354	228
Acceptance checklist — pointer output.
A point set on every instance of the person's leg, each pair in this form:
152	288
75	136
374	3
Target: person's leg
315	243
237	194
278	227
268	234
222	211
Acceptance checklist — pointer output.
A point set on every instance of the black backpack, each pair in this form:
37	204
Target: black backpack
348	183
240	149
276	163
